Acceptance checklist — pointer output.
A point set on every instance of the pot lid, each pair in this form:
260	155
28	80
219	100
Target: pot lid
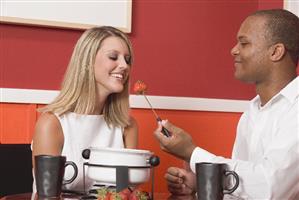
121	150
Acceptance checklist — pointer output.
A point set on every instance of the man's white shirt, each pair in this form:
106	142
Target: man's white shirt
266	149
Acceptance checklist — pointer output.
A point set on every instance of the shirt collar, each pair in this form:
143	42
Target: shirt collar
290	92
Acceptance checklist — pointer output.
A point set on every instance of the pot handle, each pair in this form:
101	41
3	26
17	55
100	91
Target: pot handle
154	161
86	153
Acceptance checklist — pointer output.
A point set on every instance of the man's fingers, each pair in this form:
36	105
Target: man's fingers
173	170
174	185
158	135
173	178
176	191
161	138
177	181
169	126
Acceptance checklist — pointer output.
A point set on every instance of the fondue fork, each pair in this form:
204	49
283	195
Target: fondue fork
159	120
140	88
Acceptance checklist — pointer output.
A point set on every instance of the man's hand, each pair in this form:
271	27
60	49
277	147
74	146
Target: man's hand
179	144
180	181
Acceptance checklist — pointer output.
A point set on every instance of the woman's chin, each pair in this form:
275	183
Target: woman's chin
117	89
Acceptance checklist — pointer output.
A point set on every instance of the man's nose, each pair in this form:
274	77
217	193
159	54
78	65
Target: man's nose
234	51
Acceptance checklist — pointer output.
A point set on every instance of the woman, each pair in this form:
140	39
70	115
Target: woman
92	109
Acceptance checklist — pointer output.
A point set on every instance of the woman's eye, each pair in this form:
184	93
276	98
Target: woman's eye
128	60
116	57
113	57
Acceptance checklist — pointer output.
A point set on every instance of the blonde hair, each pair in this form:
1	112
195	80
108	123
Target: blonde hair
78	90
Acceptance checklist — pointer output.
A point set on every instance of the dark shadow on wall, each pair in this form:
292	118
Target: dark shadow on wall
15	169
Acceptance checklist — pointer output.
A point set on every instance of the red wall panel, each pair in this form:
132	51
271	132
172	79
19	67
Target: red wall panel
266	4
182	48
34	57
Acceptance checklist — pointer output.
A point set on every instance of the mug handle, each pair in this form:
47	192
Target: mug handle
234	174
75	172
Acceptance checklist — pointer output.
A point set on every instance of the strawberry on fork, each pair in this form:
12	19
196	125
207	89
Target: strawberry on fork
140	87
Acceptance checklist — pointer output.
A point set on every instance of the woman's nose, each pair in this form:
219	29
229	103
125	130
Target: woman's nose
123	63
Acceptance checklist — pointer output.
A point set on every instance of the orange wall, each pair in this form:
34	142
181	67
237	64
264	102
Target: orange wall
214	131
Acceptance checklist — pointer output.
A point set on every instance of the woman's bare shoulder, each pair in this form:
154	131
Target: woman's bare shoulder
48	123
48	135
131	134
133	122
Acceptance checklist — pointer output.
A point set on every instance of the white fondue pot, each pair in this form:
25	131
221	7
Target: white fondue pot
103	161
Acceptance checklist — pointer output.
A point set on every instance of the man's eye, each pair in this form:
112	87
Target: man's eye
243	43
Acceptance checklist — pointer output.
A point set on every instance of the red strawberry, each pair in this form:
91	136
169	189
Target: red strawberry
114	196
133	197
109	196
139	87
122	195
125	194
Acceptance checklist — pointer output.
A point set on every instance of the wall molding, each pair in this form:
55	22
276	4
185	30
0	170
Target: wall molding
13	95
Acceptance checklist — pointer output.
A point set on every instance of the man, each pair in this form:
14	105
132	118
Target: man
266	149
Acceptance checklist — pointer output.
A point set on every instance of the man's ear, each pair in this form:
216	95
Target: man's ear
277	52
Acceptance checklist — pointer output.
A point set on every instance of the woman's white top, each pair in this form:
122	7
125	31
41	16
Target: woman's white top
82	132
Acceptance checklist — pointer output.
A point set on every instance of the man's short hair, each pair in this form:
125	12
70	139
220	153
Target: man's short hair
283	27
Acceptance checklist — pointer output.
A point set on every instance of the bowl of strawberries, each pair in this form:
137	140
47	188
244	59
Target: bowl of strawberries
106	193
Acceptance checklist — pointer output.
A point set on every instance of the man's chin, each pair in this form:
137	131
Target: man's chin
243	79
238	76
